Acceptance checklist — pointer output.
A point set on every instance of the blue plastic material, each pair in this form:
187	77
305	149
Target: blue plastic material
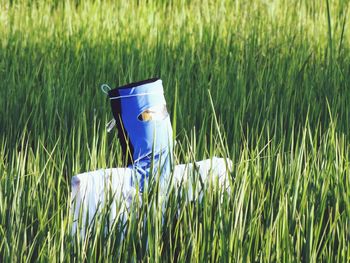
150	137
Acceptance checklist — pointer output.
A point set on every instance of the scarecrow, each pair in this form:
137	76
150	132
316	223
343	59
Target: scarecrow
145	133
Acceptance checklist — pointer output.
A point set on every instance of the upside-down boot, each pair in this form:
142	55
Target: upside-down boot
144	129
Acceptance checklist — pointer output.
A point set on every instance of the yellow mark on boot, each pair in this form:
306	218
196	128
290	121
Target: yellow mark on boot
156	113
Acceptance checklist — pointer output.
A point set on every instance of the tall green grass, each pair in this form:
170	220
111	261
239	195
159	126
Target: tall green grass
278	73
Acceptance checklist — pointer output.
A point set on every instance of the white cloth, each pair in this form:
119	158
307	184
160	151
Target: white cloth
92	191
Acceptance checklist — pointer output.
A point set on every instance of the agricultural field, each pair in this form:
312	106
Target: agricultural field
263	82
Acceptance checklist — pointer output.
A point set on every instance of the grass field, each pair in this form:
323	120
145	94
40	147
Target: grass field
278	72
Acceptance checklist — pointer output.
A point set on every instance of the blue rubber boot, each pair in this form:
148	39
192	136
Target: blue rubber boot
144	129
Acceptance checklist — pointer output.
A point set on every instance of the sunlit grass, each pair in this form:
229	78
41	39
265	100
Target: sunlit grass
278	73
